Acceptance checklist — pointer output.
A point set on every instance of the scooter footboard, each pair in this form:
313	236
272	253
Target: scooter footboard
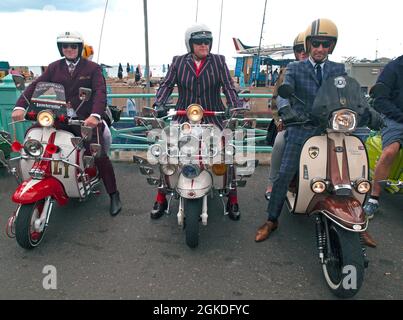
31	191
345	211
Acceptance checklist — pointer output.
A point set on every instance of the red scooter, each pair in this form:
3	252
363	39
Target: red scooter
51	167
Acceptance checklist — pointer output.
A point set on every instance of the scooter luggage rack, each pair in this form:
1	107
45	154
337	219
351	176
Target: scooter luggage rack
329	216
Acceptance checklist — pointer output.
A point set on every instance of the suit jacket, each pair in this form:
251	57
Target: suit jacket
302	77
204	89
86	74
392	105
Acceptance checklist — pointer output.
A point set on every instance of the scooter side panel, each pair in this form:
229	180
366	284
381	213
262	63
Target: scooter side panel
63	172
313	161
358	165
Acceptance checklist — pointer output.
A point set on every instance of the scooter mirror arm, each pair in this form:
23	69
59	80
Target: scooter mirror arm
298	99
75	148
13	171
79	106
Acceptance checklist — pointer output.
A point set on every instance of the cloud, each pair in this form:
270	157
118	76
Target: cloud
72	5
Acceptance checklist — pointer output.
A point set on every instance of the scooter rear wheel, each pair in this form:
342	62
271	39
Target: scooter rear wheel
27	237
344	265
193	209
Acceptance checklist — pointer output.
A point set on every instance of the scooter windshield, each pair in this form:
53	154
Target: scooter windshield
341	92
49	93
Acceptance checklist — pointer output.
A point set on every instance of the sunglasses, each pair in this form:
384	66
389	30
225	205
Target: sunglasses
199	42
299	49
325	43
68	45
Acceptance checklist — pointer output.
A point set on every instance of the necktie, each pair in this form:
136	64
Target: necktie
71	68
319	73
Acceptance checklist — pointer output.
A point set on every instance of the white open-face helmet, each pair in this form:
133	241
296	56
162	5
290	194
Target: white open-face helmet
197	31
70	37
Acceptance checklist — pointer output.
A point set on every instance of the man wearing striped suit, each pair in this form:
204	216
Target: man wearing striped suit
199	76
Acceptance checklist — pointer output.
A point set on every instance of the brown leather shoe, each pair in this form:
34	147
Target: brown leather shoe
264	231
367	239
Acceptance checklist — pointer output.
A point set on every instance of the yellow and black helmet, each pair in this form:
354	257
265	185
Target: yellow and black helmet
299	40
299	46
323	28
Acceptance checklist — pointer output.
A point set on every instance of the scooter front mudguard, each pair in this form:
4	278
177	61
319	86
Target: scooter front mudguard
346	211
194	188
31	191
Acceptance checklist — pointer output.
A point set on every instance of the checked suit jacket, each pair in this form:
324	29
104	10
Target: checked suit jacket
204	89
302	77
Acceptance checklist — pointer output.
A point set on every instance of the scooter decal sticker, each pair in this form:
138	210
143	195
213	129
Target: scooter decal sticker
313	152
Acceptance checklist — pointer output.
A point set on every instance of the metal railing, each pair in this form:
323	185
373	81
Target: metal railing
123	134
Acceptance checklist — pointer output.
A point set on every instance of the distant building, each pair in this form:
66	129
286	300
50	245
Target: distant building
366	72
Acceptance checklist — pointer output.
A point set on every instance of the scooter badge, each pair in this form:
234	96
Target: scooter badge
313	152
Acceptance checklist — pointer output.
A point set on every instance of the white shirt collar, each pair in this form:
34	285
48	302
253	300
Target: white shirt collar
314	63
74	63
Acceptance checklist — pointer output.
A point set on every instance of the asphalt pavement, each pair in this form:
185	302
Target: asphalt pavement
95	256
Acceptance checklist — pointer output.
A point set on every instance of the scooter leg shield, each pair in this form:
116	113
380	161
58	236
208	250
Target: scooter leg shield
32	190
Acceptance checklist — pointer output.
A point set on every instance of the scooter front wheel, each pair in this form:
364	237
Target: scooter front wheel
344	264
26	235
193	209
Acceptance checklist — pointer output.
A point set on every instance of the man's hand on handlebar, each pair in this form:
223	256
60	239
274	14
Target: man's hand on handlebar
18	115
91	121
161	111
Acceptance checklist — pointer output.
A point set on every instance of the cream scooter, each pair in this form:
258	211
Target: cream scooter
333	182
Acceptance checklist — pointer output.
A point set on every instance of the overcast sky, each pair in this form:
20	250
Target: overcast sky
29	28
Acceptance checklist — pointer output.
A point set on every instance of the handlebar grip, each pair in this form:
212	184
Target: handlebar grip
75	122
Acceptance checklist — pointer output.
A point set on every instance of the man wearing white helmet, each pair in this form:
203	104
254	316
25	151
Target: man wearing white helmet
200	76
73	72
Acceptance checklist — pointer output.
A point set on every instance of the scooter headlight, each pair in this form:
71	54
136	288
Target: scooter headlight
168	169
190	171
318	185
230	150
194	113
362	186
46	118
33	147
344	120
186	128
156	150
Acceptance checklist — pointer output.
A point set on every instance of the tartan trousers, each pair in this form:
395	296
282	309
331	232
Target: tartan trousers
295	138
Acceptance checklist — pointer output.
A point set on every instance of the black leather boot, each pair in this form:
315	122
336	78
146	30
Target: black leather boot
233	211
116	205
158	210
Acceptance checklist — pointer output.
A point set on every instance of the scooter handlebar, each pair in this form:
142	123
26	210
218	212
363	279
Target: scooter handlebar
75	122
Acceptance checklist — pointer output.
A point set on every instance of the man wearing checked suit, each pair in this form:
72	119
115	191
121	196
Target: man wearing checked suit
200	76
305	77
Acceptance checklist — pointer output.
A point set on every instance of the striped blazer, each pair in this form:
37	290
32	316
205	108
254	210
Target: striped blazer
204	89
